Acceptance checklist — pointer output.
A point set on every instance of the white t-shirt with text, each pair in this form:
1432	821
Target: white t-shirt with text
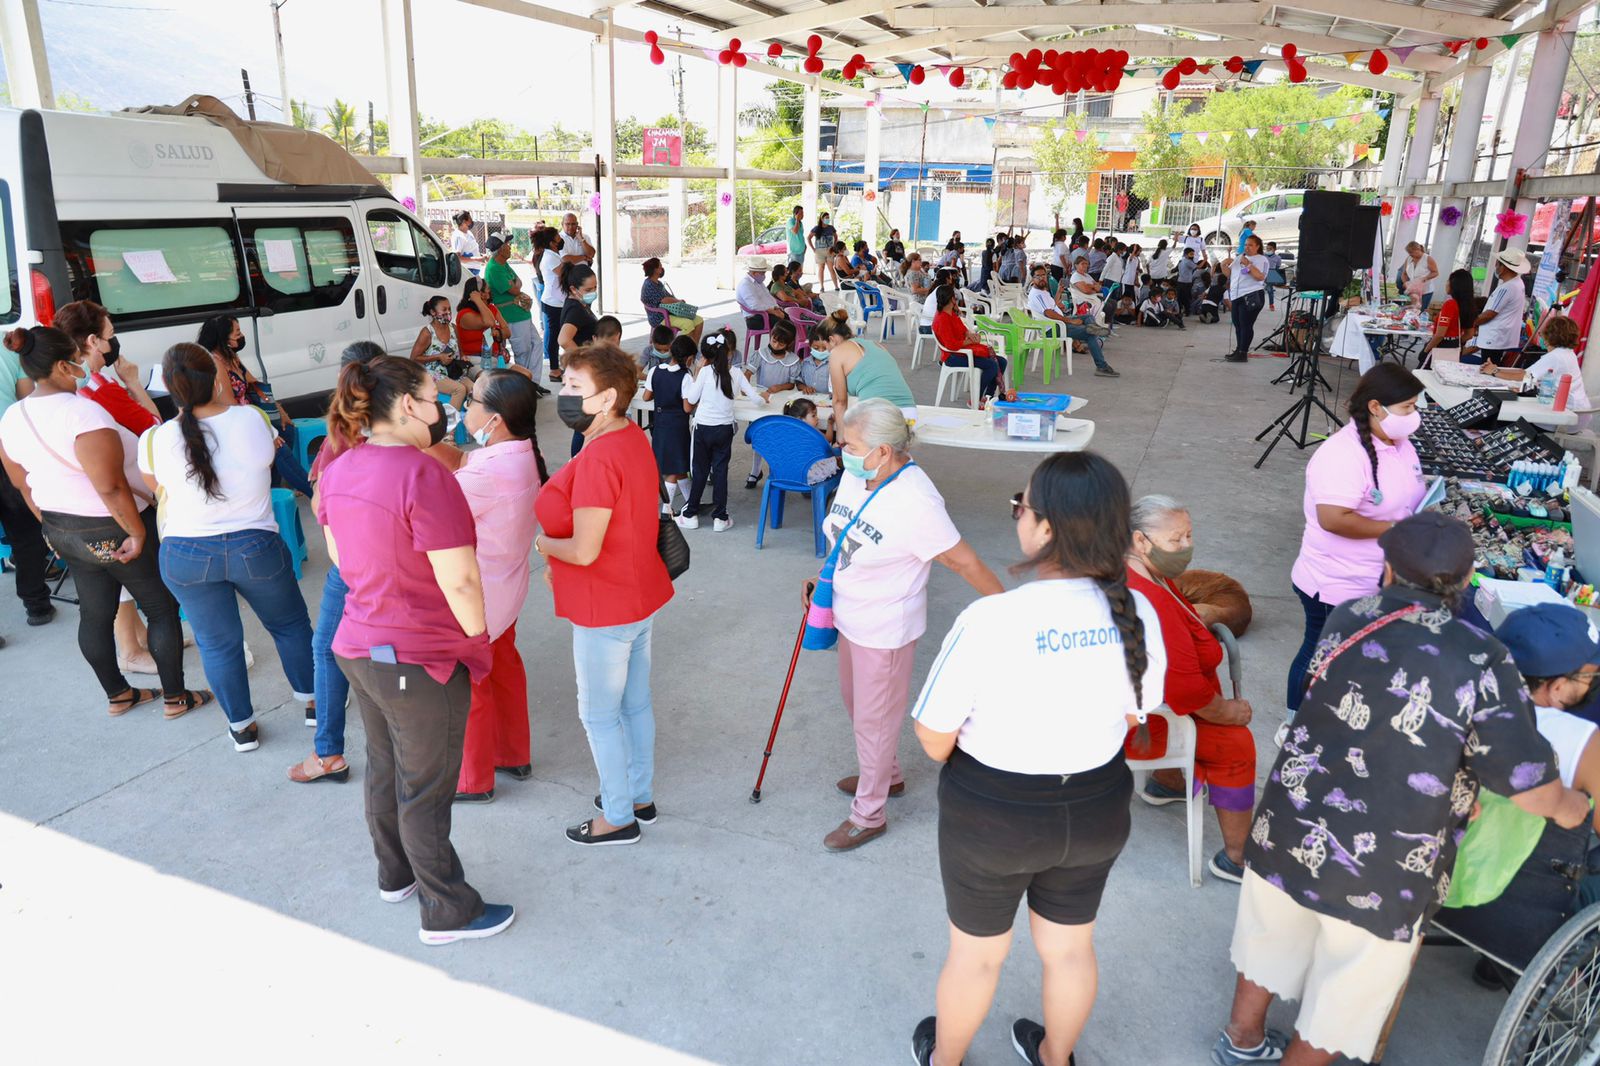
242	447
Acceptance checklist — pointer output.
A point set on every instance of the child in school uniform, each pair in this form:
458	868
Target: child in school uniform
1211	302
1150	312
1172	306
806	411
814	373
657	352
669	428
775	369
712	391
1127	311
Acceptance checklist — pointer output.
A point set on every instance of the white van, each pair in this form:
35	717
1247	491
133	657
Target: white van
167	221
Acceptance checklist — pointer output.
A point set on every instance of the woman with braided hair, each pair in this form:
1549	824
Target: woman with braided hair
1033	797
1362	480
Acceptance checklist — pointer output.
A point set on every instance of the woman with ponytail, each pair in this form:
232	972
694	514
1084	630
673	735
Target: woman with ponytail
77	470
413	637
222	337
212	467
1362	480
1027	706
859	369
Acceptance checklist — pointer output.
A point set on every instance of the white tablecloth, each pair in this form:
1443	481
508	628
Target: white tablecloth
1350	339
1534	411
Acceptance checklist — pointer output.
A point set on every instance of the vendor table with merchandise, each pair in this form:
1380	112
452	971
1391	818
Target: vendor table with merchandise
1512	410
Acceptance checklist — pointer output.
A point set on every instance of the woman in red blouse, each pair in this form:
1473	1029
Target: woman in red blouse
1225	751
952	333
1459	304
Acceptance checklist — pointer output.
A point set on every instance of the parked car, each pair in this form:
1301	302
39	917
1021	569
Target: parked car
1276	216
774	240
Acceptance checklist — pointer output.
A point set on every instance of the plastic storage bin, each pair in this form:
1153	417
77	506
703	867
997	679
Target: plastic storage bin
1031	416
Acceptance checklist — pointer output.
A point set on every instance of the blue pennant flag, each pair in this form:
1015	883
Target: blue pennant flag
1253	65
1383	112
905	70
1175	138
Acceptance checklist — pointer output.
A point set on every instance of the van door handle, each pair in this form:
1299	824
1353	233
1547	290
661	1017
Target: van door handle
361	304
383	300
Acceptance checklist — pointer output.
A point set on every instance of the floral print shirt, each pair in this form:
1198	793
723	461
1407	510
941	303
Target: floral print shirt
1370	796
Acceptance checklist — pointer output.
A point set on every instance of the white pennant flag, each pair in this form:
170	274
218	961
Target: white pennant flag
1251	131
1202	136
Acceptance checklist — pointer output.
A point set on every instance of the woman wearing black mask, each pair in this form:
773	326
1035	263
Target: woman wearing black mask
413	637
222	337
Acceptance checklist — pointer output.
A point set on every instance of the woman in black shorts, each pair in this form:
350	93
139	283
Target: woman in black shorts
1033	799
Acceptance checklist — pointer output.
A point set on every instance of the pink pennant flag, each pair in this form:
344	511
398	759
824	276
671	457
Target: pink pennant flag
1082	135
1251	132
1202	136
711	54
1403	51
1277	131
1357	117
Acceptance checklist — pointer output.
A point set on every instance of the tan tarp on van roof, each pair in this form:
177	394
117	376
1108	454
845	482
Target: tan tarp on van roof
283	153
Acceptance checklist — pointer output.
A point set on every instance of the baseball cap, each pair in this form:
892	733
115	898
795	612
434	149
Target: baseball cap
494	243
1514	260
1550	639
1428	546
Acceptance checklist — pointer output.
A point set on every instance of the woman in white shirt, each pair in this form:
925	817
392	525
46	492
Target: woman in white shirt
1059	254
1247	292
1033	797
1161	262
886	528
714	388
1561	336
1133	267
75	468
1197	242
212	466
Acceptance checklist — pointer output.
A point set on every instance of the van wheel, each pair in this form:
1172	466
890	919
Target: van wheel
1219	240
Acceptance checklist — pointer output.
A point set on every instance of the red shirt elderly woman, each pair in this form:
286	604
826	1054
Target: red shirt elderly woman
1225	751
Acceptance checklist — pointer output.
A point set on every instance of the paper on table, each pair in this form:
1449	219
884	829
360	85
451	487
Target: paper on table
149	267
280	257
1434	495
945	421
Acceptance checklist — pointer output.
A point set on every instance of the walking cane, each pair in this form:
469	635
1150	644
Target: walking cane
755	793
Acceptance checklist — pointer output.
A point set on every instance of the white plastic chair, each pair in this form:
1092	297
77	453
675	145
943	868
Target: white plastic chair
900	304
918	339
954	374
1180	756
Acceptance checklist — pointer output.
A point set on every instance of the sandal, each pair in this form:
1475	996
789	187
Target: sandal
318	768
121	705
188	700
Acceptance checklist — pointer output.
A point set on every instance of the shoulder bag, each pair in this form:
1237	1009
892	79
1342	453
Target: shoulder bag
138	493
821	634
671	543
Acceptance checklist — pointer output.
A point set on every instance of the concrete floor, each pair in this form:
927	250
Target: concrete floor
162	891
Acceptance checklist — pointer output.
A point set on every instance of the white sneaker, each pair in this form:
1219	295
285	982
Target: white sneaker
399	895
249	656
721	525
687	522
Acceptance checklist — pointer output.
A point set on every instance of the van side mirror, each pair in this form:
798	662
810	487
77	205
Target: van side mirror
452	269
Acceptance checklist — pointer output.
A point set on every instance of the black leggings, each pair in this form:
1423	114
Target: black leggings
713	448
83	542
1246	308
28	552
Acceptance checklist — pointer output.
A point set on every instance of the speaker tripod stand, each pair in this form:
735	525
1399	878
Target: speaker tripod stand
1311	304
1304	347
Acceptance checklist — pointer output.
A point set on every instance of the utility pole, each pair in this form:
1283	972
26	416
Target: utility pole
683	117
283	76
922	166
249	97
372	131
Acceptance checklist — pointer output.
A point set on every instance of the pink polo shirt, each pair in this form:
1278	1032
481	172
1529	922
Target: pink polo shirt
1335	568
501	482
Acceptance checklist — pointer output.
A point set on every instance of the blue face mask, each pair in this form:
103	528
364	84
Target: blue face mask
482	435
819	355
857	465
591	297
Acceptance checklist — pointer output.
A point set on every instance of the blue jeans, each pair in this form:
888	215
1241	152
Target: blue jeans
286	461
990	369
207	575
1316	616
333	690
613	667
1090	341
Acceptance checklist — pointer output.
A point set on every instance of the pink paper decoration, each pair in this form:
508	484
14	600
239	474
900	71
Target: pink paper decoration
725	199
1411	209
594	203
1510	223
409	203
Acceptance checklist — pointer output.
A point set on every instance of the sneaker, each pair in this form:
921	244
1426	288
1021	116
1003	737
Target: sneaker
721	525
1105	372
1225	869
1159	795
583	833
687	522
753	480
496	918
43	617
516	773
311	717
399	895
1235	357
645	815
1224	1053
922	1041
475	797
246	739
1026	1037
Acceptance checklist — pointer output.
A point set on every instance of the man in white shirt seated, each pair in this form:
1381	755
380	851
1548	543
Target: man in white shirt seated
1499	328
1074	327
753	296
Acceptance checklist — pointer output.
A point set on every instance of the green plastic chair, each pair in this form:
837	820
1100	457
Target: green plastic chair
1047	342
1013	338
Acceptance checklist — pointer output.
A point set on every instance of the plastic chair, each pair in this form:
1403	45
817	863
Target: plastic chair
918	339
899	304
870	298
287	514
1010	336
309	431
666	319
954	374
1042	337
803	321
5	545
790	446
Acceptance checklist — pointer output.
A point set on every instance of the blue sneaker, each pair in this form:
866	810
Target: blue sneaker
1159	795
1269	1050
1225	868
496	918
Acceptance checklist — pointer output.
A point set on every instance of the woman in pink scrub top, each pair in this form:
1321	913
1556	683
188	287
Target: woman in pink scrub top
1362	480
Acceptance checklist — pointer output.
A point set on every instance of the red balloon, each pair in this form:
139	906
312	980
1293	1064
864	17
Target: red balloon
651	37
1379	62
1017	59
657	56
1051	55
1205	68
1170	78
724	57
733	45
1009	81
1026	81
1034	55
1290	51
813	44
917	75
859	60
1482	42
958	77
1122	57
774	50
740	59
1297	72
1187	66
1234	64
813	65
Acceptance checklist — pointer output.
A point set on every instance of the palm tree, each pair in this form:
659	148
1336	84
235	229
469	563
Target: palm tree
341	124
301	115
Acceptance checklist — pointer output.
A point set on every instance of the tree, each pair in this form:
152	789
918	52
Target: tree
1162	165
302	116
342	122
1064	164
1287	158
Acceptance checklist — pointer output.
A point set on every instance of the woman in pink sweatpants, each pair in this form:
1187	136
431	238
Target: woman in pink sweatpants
880	600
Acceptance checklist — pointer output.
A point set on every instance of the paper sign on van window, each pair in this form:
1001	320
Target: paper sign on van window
280	257
149	267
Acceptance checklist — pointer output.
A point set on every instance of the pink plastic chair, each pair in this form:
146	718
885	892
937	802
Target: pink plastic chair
666	319
754	334
803	321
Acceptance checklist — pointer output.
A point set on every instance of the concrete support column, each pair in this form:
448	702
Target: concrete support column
1537	122
677	218
1405	229
869	208
604	97
1458	166
811	151
399	65
1394	149
22	48
727	161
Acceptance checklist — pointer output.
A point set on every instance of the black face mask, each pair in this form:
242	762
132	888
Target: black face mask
436	429
237	346
115	351
570	408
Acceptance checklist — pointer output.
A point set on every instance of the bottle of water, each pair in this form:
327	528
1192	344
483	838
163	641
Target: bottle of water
1547	389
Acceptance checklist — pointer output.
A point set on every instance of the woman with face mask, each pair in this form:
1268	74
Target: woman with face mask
582	288
113	380
1225	752
1362	480
436	349
601	515
500	478
1198	243
78	471
222	337
413	637
885	530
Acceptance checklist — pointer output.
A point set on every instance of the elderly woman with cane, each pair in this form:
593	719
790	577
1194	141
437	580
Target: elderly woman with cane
886	529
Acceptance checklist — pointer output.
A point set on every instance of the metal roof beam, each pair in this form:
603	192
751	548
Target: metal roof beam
1311	42
816	18
1000	19
1450	24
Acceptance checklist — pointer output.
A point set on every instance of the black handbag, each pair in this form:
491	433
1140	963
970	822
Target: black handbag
671	544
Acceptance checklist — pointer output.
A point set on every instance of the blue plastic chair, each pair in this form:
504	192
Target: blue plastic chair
790	446
864	290
5	545
287	514
309	431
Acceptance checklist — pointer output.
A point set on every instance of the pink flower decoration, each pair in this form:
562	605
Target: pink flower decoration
1450	216
725	199
594	203
409	203
1510	223
1411	209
